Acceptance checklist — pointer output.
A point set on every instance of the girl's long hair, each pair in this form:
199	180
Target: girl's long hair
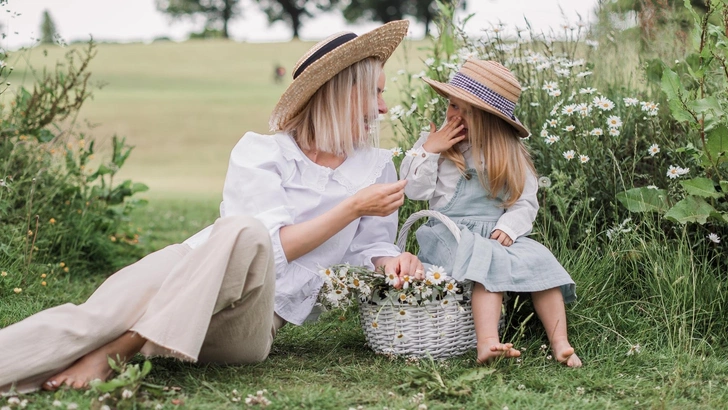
334	120
501	160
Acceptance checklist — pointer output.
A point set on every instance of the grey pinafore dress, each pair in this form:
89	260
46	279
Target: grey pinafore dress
525	266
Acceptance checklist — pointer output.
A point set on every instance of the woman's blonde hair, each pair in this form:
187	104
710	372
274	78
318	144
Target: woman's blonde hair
334	119
501	160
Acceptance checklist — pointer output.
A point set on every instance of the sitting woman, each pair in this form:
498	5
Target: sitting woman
314	194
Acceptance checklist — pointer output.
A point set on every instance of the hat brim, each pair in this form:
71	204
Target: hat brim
379	43
448	91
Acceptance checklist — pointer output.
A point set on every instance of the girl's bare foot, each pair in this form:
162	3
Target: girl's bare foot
491	348
95	365
564	353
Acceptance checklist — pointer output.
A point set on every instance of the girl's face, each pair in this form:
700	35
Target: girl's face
456	108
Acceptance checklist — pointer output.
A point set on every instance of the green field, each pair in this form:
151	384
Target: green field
185	105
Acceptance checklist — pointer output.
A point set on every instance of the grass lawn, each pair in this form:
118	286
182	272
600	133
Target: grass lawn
326	365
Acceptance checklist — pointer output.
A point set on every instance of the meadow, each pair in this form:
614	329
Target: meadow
649	323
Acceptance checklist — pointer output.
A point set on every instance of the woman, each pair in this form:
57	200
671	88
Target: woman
314	194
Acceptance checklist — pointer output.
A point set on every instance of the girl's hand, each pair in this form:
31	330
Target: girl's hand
378	199
442	140
404	264
501	237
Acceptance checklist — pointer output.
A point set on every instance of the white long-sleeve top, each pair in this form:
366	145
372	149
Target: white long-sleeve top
270	178
433	178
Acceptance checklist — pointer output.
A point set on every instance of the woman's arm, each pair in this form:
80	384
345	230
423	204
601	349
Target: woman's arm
518	219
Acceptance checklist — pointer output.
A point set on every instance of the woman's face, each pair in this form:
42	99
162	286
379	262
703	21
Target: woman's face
381	105
455	108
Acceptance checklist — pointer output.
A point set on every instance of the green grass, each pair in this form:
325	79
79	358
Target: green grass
326	365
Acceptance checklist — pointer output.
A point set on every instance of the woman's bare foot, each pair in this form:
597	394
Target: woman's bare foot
564	353
491	348
95	365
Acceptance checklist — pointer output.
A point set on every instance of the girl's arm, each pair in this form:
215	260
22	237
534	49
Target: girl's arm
419	168
518	220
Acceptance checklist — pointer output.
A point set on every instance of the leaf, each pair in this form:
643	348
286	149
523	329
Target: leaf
724	186
706	104
138	187
717	143
475	374
702	187
44	135
690	209
644	200
675	92
146	368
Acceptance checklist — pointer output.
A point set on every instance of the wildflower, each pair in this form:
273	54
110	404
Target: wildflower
630	102
587	90
65	269
521	387
549	357
126	394
552	139
584	74
555	93
569	109
550	85
52	221
634	349
396	112
412	153
653	149
375	325
17	290
648	106
569	128
430	61
451	287
583	109
72	406
436	274
534	104
614	132
401	72
3	183
43	283
614	122
544	132
544	182
3	274
713	238
552	122
583	159
406	281
579	390
562	72
62	264
603	103
402	314
258	399
569	155
326	274
556	108
675	171
105	407
13	400
596	132
57	403
592	43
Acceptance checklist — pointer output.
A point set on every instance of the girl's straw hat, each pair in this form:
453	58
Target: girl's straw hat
488	86
327	58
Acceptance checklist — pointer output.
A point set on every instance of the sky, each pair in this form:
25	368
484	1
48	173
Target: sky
138	20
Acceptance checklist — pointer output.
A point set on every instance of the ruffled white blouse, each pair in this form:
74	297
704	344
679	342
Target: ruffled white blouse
270	178
433	178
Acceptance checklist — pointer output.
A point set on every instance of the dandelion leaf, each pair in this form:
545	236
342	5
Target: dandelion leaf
702	187
644	200
690	209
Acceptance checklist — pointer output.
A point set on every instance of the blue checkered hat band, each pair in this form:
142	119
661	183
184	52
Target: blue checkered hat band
486	94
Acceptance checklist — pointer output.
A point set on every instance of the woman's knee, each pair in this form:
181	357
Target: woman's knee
250	229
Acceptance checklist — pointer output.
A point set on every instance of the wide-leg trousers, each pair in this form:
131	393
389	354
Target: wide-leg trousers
213	303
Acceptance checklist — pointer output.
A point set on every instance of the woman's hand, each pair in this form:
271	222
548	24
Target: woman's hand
404	264
444	139
378	199
501	237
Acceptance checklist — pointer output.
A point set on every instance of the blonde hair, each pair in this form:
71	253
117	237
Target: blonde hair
333	120
501	160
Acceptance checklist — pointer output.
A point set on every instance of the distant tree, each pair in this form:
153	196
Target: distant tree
385	11
654	14
47	29
217	12
293	11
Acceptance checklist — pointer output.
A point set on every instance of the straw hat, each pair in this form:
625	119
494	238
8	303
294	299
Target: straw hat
486	85
327	58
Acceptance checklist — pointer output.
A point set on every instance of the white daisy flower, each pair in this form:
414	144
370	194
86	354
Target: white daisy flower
412	153
569	109
592	43
401	72
555	93
614	122
436	274
630	102
562	72
401	314
396	151
391	279
633	350
326	274
550	85
552	122
648	106
534	104
569	155
552	139
584	74
713	238
430	61
596	132
544	132
675	171
653	150
614	132
587	90
603	103
583	159
583	109
569	128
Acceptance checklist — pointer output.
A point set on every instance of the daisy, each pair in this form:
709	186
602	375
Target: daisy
391	279
551	139
550	85
562	72
583	159
555	93
614	121
596	132
402	314
569	155
713	238
614	132
436	274
535	104
451	287
569	109
583	109
396	151
587	90
544	132
603	103
569	128
326	274
675	171
653	149
633	350
630	102
552	122
584	74
412	153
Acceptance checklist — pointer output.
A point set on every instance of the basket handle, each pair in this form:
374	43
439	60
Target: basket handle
404	231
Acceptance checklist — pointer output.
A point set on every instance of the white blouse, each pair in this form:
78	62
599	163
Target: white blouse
435	179
270	178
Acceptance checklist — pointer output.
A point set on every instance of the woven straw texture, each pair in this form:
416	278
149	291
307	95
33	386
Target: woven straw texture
434	329
492	75
379	43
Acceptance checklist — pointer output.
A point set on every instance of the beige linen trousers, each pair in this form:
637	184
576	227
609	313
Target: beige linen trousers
213	303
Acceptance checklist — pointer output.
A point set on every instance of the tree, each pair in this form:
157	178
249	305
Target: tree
389	10
216	11
293	11
655	14
47	29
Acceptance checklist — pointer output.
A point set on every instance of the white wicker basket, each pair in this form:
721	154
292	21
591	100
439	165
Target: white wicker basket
435	329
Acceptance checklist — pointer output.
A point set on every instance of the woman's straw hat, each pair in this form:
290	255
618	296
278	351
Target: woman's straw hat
486	85
327	58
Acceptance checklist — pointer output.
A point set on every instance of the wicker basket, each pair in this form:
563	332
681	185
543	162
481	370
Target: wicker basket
435	329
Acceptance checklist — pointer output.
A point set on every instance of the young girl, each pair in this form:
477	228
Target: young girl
476	171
